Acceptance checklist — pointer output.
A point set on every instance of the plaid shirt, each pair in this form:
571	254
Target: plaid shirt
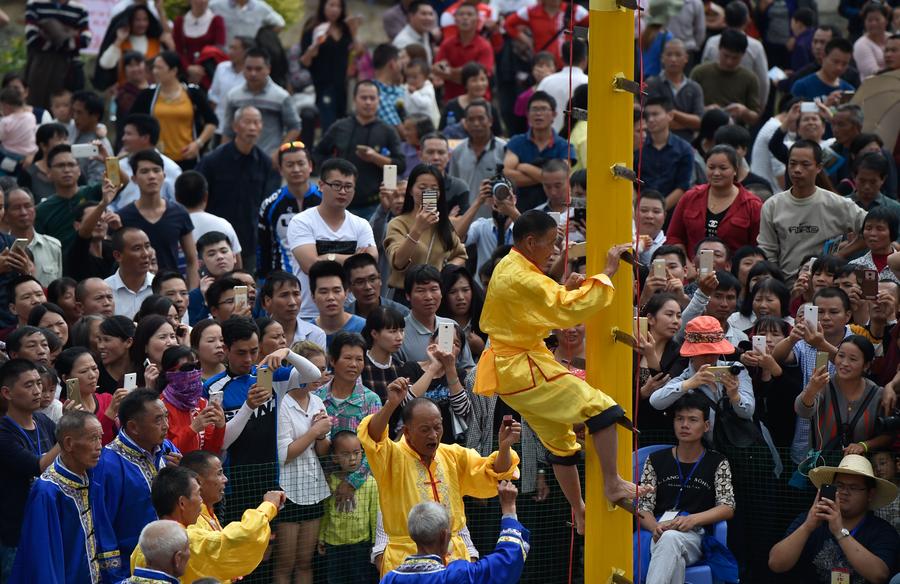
347	415
378	378
388	96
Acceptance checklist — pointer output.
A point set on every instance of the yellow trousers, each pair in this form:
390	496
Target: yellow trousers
551	407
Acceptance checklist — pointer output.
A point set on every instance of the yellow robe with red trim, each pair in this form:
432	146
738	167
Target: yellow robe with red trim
404	482
521	309
224	553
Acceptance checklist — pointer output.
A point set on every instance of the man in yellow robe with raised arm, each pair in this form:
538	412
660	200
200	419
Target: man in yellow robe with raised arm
224	553
522	306
418	468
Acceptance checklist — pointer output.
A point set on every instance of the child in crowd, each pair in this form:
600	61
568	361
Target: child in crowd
884	462
50	406
544	65
422	99
345	538
17	129
61	108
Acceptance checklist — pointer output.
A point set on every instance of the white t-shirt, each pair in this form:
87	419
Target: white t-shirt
309	227
205	222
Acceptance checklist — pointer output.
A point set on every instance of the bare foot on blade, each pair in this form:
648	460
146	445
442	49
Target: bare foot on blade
622	492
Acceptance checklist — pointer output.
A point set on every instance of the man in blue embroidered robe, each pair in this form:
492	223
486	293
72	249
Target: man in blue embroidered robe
67	537
429	528
130	462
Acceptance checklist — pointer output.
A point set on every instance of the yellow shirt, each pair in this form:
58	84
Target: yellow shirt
522	306
404	482
176	124
578	139
224	553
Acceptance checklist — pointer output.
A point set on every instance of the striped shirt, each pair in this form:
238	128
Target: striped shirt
69	14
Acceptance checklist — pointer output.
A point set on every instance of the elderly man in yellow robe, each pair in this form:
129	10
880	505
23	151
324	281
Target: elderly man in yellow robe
224	553
522	306
418	468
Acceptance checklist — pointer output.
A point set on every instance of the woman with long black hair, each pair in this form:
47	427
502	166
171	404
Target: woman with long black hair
422	234
462	300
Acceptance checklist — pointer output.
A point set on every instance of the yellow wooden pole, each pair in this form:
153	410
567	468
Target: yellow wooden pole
608	539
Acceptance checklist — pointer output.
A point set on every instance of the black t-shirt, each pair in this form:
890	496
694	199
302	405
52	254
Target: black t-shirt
165	235
712	222
822	552
21	466
80	264
107	383
699	491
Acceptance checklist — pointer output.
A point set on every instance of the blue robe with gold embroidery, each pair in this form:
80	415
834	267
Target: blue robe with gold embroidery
504	566
126	472
67	537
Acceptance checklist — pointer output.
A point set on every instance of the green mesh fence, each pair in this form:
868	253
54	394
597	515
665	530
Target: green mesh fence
766	505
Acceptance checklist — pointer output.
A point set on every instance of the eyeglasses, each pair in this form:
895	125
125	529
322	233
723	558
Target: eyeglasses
845	488
295	145
371	281
540	110
345	187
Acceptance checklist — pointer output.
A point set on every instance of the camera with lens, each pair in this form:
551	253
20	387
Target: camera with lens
888	424
501	187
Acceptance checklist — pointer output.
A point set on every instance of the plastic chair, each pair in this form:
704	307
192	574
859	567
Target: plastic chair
698	573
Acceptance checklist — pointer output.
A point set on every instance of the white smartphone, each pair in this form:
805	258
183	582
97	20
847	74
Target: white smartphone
85	150
811	316
759	344
20	244
240	297
808	107
445	337
707	259
390	176
217	397
130	381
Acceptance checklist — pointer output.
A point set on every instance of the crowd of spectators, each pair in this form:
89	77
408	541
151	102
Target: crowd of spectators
222	244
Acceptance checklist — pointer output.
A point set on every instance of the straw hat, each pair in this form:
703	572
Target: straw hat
854	464
704	336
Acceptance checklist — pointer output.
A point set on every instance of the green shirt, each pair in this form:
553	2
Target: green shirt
56	215
357	526
722	87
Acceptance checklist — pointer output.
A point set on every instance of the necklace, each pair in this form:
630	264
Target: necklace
171	97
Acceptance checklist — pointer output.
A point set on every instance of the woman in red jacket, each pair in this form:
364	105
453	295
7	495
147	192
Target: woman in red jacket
722	208
194	424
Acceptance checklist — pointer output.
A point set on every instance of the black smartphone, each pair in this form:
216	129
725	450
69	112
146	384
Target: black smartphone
828	492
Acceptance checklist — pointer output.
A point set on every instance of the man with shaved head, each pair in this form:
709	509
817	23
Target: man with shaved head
453	471
240	175
165	546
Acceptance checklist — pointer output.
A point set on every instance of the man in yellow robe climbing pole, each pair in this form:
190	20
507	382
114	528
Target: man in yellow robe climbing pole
522	306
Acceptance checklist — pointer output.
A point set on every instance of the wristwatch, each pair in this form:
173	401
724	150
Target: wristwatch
844	533
330	257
